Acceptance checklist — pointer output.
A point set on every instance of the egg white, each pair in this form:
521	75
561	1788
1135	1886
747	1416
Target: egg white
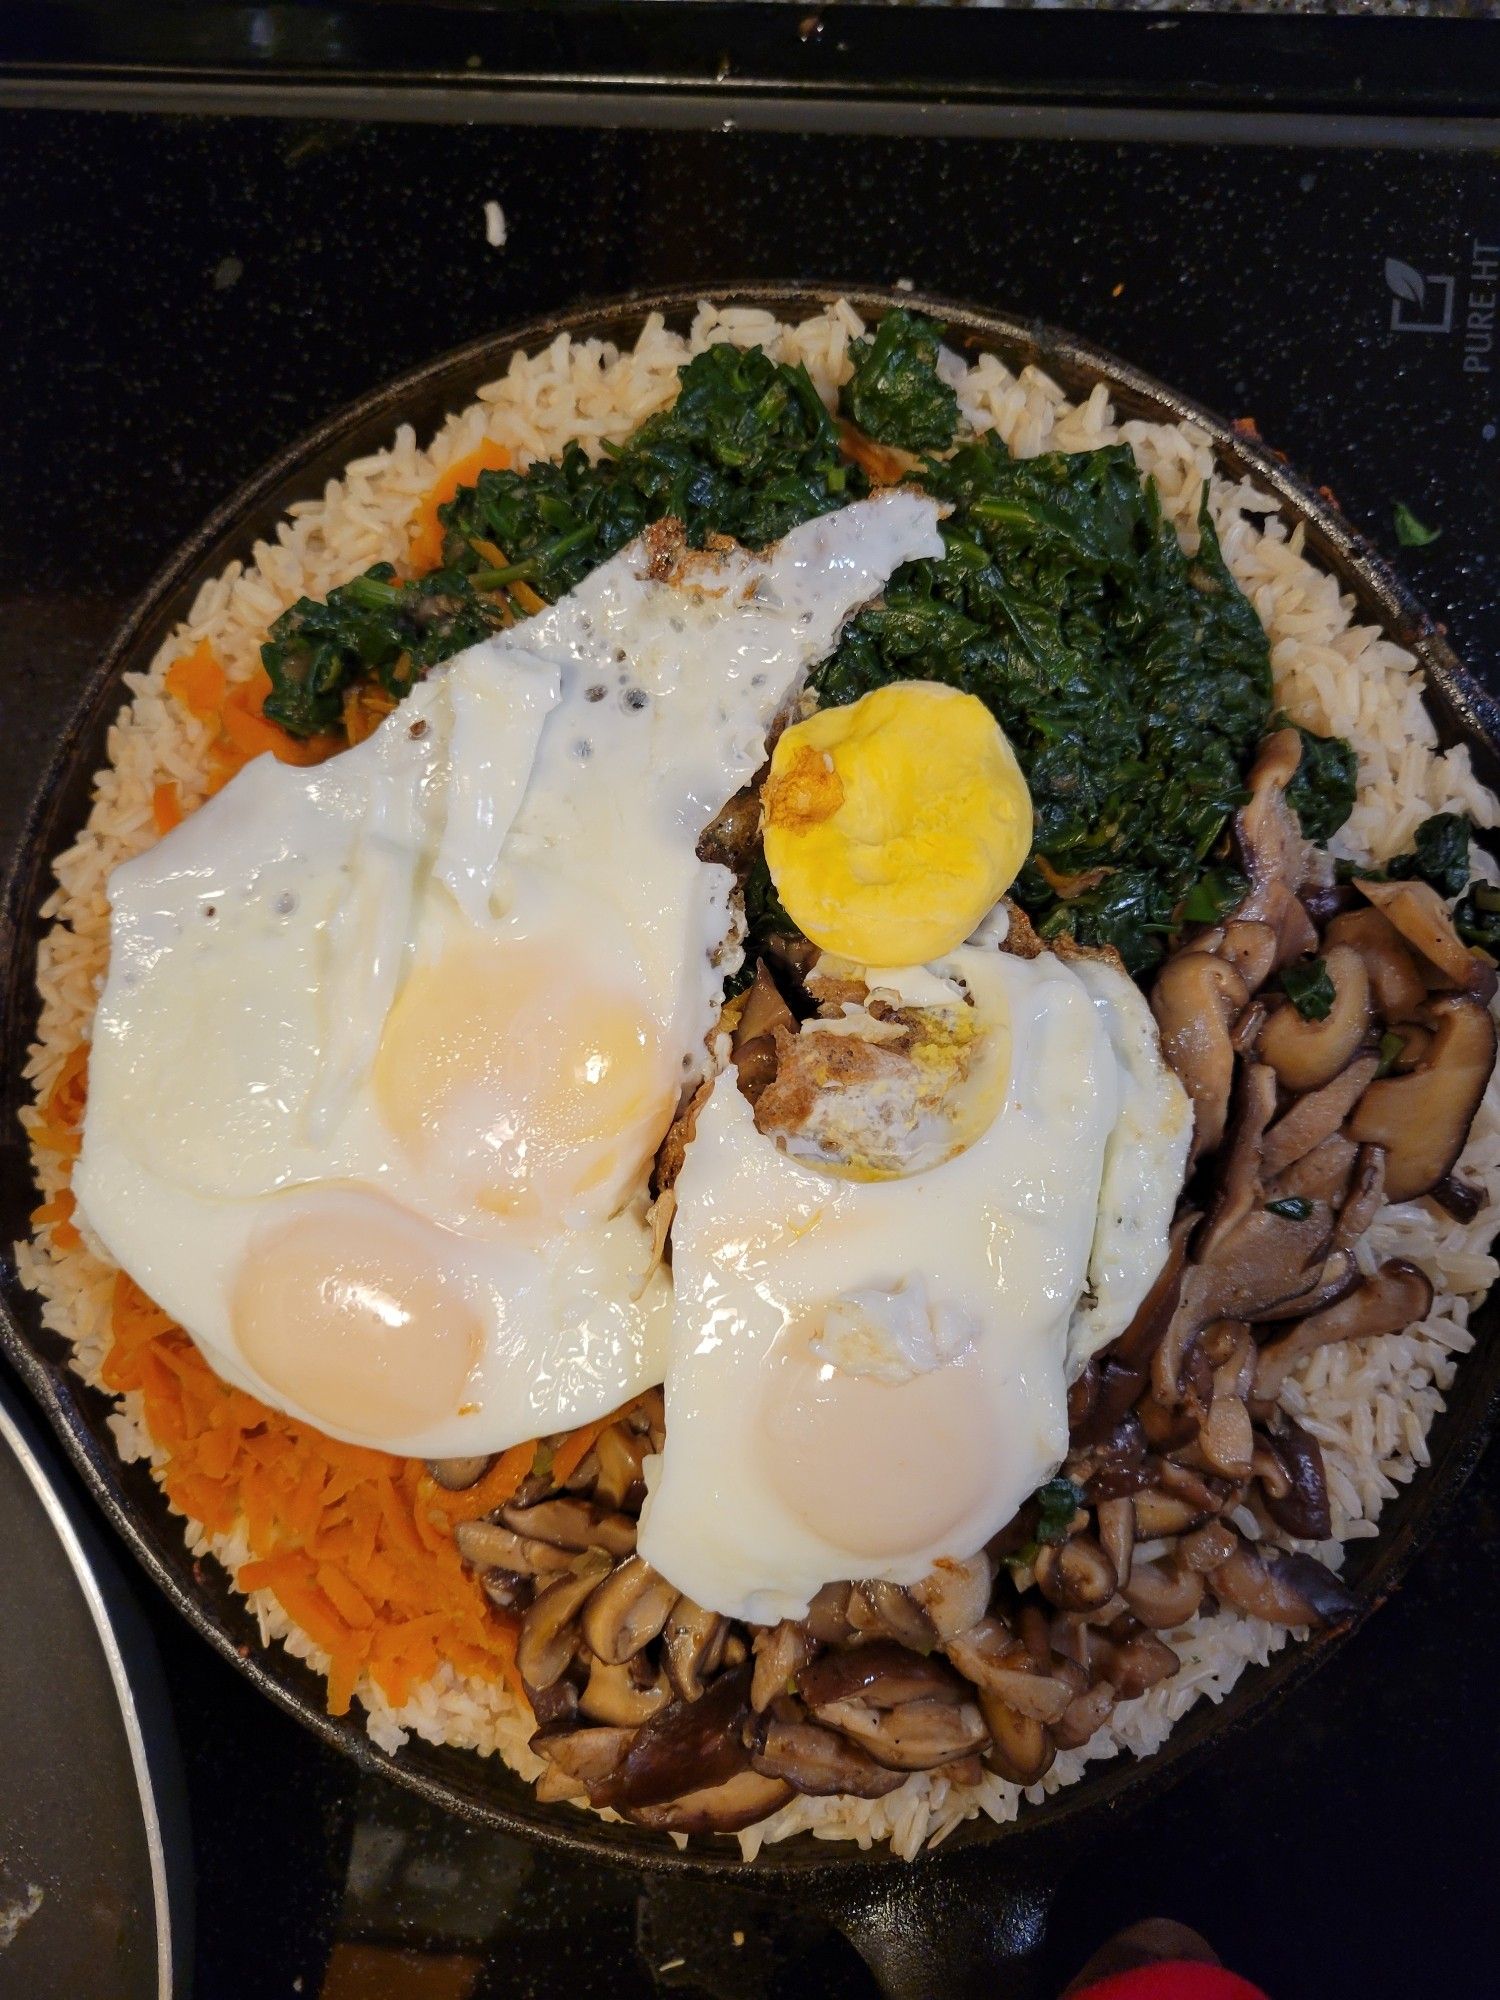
434	1002
784	1470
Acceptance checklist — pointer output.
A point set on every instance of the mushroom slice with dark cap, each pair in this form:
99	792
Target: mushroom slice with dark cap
689	1747
1021	1748
488	1545
1306	1054
880	1671
573	1523
754	1037
1162	1596
1116	1523
1132	1665
1339	1276
887	1611
456	1475
589	1756
1311	1119
1250	947
1196	999
734	1802
953	1594
1321	1175
1282	1588
615	1694
1266	831
628	1610
1396	985
1296	1497
1086	1714
1422	1119
991	1659
547	1637
1392	1300
819	1761
691	1639
1075	1575
1363	1201
1418	912
916	1736
780	1652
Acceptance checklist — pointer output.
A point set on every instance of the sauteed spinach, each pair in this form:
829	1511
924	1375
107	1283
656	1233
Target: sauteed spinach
1133	680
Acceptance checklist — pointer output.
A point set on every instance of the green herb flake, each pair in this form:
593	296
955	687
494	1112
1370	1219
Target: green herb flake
1322	789
1410	532
1057	1502
896	393
1308	987
1294	1207
1439	854
1214	895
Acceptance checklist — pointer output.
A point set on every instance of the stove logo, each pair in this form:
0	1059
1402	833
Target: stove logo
1421	304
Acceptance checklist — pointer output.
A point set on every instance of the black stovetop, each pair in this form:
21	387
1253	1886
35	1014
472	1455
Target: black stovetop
181	297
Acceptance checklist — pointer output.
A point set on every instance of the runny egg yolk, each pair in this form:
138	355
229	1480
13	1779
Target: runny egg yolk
893	825
346	1310
543	1091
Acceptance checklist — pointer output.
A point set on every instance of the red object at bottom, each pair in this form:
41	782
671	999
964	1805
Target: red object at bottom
1176	1979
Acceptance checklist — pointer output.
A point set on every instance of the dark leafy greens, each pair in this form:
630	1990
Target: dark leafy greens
1477	918
1307	985
1439	855
896	393
746	450
1133	680
1322	789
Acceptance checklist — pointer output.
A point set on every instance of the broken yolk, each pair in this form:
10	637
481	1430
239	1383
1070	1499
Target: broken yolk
893	825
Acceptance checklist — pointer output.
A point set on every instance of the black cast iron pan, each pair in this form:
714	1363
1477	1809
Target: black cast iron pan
949	1922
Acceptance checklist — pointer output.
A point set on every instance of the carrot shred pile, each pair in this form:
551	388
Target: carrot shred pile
345	1537
240	729
426	551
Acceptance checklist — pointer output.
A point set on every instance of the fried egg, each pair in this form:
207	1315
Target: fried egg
387	1046
876	1318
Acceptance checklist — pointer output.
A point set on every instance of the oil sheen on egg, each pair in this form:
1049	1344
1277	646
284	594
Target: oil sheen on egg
868	1374
387	1046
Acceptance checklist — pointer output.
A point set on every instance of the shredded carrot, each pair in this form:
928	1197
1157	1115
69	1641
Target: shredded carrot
576	1447
499	1484
57	1214
333	1528
239	729
166	806
426	550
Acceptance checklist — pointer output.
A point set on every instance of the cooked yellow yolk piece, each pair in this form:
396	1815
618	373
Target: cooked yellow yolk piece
892	826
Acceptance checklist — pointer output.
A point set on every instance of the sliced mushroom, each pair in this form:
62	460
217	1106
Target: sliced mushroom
1297	1501
1158	1513
1459	1198
1422	1119
988	1656
1392	1300
1225	1439
1075	1575
741	1801
547	1637
1339	1276
1250	947
688	1747
754	1039
1396	986
621	1454
690	1639
554	1707
1321	1175
1296	935
1163	1597
886	1611
1363	1201
1086	1714
1206	1547
880	1672
1132	1665
1116	1521
489	1546
916	1736
954	1595
1313	1117
617	1695
820	1761
456	1475
780	1653
1266	830
1021	1748
1269	1258
1282	1588
1195	999
573	1523
588	1756
627	1610
1420	915
735	1802
553	1787
731	836
1238	1191
828	1615
1115	1466
507	1591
